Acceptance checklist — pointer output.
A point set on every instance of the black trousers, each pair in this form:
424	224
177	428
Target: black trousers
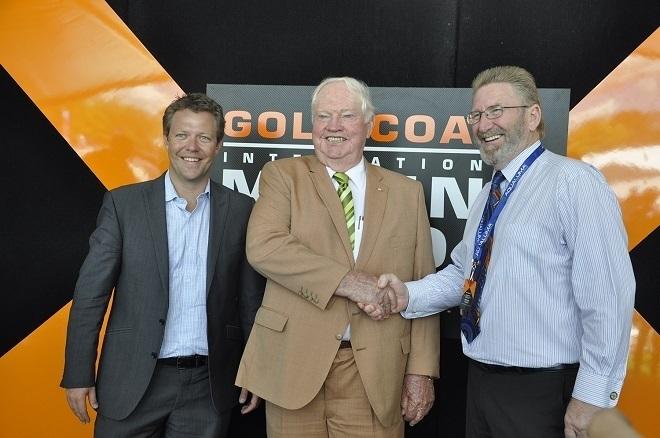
511	403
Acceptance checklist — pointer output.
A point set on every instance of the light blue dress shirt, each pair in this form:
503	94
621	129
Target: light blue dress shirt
560	285
187	241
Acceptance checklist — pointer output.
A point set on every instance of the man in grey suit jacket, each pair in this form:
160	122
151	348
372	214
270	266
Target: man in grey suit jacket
173	250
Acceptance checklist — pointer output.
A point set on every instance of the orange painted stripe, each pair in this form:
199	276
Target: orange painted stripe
32	404
641	389
93	79
615	128
105	94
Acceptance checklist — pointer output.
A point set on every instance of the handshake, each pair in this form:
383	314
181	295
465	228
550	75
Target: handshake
378	297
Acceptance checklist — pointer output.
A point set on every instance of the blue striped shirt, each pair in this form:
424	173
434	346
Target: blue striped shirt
187	240
560	286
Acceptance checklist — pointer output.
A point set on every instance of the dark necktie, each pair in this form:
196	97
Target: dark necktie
470	317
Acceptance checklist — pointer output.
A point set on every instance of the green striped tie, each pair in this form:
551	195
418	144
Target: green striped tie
346	198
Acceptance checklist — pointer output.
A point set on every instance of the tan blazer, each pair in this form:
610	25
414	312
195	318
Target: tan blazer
297	238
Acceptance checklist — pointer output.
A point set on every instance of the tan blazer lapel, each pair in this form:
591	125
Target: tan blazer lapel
328	195
375	200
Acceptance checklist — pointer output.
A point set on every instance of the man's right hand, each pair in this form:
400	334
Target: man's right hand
361	287
399	303
77	398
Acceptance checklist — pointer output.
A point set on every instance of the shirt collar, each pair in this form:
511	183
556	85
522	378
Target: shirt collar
170	190
510	170
357	173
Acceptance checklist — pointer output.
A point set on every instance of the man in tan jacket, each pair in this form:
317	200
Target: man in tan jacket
323	228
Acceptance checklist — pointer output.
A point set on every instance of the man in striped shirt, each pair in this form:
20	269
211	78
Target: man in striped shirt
546	288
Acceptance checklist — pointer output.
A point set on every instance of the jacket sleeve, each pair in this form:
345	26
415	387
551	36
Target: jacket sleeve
424	358
251	293
97	278
277	254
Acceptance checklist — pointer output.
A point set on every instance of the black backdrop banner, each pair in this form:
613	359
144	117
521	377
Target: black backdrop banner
419	132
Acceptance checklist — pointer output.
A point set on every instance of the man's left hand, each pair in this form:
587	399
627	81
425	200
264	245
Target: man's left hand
578	418
417	397
251	405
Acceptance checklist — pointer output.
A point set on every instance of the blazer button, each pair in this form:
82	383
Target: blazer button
161	321
154	355
338	336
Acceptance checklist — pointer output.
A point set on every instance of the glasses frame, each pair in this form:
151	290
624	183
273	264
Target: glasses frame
474	117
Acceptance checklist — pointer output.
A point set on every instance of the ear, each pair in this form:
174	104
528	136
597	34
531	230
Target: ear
534	117
370	127
165	141
218	146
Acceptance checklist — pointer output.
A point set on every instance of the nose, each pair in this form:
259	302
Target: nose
334	123
192	143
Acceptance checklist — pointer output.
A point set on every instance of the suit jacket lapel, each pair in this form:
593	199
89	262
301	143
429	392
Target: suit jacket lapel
375	200
328	195
219	204
155	208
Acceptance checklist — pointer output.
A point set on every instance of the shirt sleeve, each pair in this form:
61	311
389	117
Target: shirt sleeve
603	284
439	291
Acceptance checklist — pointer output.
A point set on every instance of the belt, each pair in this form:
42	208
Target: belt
490	368
345	344
181	362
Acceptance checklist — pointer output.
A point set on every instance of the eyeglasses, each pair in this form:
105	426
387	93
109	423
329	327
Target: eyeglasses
492	112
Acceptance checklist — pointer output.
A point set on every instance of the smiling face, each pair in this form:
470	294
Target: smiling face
502	139
192	145
339	130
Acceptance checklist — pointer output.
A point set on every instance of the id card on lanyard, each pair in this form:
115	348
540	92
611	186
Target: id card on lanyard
485	230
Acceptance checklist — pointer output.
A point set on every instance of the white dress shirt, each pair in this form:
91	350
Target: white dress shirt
560	286
357	181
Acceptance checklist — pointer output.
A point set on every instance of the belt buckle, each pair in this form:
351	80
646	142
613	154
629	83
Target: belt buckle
179	362
197	360
183	362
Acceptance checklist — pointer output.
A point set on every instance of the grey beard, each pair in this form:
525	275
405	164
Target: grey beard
499	158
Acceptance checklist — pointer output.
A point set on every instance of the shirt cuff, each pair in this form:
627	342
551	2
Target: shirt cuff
416	301
597	390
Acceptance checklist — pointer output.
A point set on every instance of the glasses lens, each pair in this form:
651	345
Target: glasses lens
494	112
473	117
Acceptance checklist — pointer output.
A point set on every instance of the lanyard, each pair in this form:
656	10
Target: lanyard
486	227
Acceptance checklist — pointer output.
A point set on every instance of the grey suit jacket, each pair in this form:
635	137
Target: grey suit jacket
128	252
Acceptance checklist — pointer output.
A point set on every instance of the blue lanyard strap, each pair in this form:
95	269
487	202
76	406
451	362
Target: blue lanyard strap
487	226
